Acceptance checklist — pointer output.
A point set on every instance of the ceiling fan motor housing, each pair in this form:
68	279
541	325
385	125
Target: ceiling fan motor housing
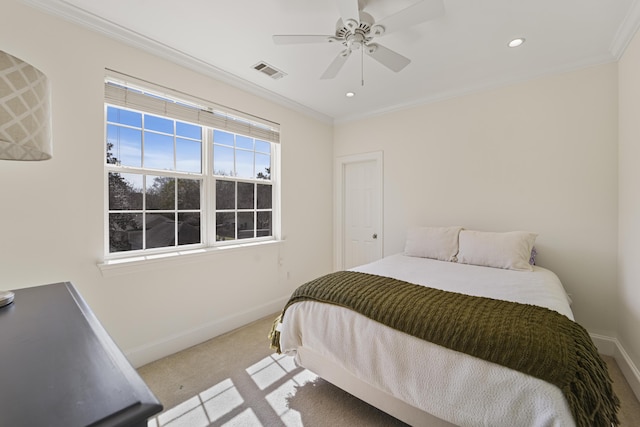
355	34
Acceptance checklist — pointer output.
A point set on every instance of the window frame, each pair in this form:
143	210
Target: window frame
207	192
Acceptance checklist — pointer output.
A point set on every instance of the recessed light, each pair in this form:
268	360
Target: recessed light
516	42
350	94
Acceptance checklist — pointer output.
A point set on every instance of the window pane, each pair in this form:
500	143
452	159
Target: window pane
112	140
188	130
244	142
125	232
245	195
225	195
224	138
124	146
188	228
158	151
244	164
245	225
161	230
264	224
225	226
125	117
223	161
161	192
188	155
125	191
158	124
263	166
263	146
264	196
188	194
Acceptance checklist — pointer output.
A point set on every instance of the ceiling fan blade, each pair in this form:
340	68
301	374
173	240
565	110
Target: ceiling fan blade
349	11
422	11
390	59
336	65
302	38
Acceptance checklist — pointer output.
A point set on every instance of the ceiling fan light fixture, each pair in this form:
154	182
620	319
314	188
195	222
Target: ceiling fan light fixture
350	94
355	41
516	42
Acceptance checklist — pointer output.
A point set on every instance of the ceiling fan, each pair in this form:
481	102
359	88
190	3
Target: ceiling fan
356	31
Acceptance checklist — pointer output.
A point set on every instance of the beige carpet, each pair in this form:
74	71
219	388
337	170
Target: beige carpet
236	380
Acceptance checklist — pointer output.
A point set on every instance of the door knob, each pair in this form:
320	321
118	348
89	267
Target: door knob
375	235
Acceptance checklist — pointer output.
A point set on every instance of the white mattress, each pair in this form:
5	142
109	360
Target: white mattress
453	386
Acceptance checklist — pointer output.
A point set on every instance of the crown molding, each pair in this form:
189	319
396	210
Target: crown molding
95	23
479	87
83	18
626	31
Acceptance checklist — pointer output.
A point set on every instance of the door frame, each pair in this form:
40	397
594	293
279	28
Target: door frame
340	165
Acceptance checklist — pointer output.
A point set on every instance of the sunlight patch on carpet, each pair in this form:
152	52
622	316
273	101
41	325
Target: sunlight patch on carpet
203	409
277	376
271	369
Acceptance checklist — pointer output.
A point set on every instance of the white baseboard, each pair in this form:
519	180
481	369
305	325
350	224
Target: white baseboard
611	347
606	345
148	353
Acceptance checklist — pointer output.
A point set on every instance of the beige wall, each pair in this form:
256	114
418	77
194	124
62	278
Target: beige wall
629	203
51	221
538	156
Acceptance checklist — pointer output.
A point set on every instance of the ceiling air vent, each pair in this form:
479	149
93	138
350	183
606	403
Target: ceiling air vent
269	70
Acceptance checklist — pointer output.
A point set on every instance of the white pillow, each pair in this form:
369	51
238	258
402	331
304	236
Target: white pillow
510	250
439	243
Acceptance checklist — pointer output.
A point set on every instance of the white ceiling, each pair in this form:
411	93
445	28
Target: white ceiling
462	51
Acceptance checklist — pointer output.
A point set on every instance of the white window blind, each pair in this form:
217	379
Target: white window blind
125	94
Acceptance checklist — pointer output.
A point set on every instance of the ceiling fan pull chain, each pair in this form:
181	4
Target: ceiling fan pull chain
362	66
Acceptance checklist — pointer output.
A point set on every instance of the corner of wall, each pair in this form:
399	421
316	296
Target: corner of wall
612	347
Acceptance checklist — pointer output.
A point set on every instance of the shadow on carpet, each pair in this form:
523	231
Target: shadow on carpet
320	403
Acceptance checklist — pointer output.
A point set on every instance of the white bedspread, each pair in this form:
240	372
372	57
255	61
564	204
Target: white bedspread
453	386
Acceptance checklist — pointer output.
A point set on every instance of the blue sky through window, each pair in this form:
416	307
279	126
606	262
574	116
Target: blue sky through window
126	143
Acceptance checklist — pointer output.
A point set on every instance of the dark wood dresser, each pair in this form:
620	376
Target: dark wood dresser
59	367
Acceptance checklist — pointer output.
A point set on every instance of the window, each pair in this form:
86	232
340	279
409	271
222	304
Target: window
174	183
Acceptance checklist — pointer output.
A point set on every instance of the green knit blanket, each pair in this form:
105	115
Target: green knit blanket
528	338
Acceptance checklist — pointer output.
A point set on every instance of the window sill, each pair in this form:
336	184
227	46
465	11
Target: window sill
119	266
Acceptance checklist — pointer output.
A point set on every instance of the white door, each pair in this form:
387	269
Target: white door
360	215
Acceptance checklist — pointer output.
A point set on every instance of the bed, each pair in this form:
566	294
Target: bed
420	382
